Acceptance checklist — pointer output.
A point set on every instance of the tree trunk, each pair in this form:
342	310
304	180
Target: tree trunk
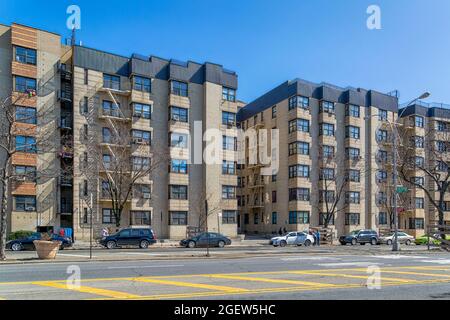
118	216
3	216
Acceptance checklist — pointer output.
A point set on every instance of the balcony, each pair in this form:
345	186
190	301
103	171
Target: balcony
115	114
65	95
66	207
66	73
116	87
66	181
65	123
66	152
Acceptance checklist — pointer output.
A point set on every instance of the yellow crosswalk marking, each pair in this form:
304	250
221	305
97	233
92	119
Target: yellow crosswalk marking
190	285
280	281
84	289
439	275
340	275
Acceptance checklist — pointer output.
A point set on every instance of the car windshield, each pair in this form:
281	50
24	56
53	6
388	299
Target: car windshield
354	232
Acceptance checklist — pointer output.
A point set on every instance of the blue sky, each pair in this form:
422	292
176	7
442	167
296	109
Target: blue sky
270	41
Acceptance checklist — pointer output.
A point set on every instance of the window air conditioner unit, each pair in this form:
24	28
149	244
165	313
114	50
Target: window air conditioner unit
147	195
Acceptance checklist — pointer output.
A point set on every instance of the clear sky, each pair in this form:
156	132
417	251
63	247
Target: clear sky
270	41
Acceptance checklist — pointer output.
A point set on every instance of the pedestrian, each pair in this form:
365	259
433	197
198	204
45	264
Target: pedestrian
284	230
318	238
280	232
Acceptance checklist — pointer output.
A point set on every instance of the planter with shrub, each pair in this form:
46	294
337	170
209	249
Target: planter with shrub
46	248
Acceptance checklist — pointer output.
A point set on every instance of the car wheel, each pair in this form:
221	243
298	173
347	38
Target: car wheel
307	243
144	244
111	244
221	244
16	247
191	244
343	243
354	242
389	242
283	243
408	242
373	242
61	247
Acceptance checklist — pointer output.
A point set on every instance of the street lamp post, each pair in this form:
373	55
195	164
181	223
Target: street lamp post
394	127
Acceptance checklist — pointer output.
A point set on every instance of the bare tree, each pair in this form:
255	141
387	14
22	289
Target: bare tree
200	203
430	174
14	123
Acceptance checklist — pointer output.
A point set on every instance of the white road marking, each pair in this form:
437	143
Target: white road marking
310	258
74	255
437	261
348	264
141	267
396	257
141	253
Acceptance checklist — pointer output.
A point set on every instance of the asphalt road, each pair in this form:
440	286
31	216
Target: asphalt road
269	276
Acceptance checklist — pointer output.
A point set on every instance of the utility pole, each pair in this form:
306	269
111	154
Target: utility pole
207	232
395	244
91	230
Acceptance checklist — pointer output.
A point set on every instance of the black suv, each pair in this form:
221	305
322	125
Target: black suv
360	236
142	237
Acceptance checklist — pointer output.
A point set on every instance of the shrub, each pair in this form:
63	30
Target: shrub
19	235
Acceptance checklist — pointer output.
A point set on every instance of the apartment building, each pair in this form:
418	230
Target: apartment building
425	136
331	142
96	99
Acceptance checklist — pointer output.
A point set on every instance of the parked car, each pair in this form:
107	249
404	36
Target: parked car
142	237
360	236
293	239
423	240
201	240
402	238
27	243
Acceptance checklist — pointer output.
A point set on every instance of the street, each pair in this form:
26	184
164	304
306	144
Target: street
324	274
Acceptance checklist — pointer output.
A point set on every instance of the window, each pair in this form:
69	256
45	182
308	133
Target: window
28	172
299	171
418	142
246	218
26	115
326	129
142	84
274	217
419	161
298	102
323	217
441	166
111	109
327	174
382	115
229	217
274	196
419	121
178	192
178	114
178	218
274	112
108	216
354	175
382	136
105	190
25	203
327	151
420	203
353	153
352	197
142	110
85	188
326	196
86	76
25	85
141	137
179	88
141	218
111	82
256	218
441	146
26	144
416	223
25	55
229	94
229	143
299	147
327	106
140	163
228	167
178	166
178	140
298	217
382	218
85	215
85	105
381	176
441	126
419	181
299	194
106	134
298	125
228	192
228	118
352	219
106	161
352	132
352	111
382	156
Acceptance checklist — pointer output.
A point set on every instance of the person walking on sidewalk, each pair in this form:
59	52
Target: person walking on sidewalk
317	237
